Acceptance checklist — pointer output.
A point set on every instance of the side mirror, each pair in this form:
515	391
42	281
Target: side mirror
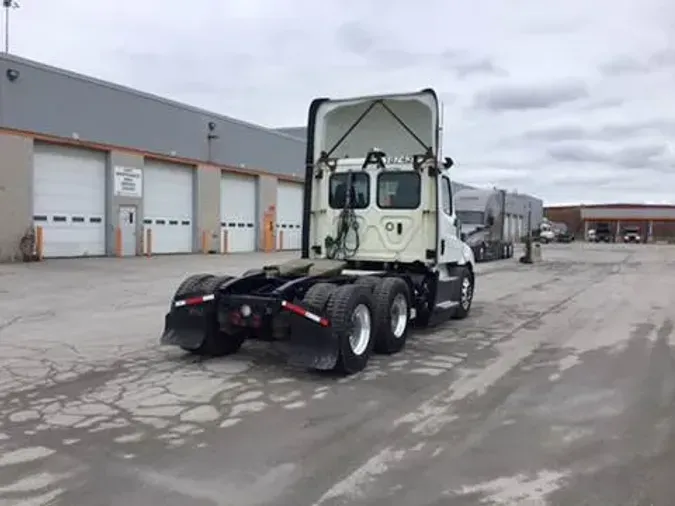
462	236
448	162
490	220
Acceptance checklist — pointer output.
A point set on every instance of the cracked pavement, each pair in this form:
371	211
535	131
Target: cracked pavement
558	390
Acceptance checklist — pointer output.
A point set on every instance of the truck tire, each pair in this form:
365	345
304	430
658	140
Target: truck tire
191	284
316	298
392	315
368	281
465	294
217	343
350	310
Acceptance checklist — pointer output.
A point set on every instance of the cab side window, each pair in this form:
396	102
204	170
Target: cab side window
446	195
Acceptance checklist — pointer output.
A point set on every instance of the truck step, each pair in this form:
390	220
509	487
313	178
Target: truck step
447	304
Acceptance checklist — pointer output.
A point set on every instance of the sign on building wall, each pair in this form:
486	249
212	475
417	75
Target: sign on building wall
128	182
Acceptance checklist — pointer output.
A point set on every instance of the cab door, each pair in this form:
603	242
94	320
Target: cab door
449	244
450	248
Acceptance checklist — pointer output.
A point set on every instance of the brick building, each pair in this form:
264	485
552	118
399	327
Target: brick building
655	222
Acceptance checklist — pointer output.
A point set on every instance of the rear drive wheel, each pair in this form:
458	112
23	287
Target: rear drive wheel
217	343
369	281
392	315
350	310
316	298
191	284
465	294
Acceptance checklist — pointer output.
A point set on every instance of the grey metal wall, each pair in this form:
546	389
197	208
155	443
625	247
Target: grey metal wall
297	132
52	101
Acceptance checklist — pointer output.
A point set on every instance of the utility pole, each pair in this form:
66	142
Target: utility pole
8	5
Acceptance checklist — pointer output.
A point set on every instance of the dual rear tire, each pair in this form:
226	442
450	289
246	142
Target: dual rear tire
216	342
371	315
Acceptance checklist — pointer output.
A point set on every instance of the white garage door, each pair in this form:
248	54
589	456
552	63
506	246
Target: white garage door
289	215
69	200
168	206
238	213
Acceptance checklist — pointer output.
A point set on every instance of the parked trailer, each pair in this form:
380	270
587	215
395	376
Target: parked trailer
380	247
483	218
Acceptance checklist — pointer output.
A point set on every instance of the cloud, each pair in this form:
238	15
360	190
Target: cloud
556	99
623	64
513	98
652	155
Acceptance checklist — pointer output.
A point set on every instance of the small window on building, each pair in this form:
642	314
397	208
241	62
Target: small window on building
398	190
360	190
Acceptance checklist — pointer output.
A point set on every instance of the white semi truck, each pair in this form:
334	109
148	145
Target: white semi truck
381	247
483	218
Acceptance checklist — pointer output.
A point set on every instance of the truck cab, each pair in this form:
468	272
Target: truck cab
377	193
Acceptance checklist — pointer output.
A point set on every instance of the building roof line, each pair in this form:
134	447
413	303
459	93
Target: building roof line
144	94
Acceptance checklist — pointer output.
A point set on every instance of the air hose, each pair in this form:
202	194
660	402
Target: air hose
337	247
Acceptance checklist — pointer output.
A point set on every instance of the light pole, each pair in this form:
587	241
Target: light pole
8	5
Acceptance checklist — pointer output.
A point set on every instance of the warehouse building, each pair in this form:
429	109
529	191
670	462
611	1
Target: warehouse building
102	170
90	168
654	222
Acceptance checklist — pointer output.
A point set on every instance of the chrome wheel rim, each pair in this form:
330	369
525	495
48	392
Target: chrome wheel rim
467	293
360	334
398	314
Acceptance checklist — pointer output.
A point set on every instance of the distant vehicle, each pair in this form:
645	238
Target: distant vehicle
632	234
603	233
564	236
482	215
546	233
591	235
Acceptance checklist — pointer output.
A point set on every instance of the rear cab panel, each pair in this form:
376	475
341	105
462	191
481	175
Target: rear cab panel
395	206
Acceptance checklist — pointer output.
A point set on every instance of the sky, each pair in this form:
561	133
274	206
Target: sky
573	102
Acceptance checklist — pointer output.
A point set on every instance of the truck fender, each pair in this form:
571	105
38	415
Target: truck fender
468	256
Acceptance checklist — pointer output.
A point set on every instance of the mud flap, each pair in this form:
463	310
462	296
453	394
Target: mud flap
312	345
185	327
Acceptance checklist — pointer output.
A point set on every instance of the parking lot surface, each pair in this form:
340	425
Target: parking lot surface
559	389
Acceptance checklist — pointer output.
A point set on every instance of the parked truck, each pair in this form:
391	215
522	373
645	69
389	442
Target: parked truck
603	232
380	246
482	214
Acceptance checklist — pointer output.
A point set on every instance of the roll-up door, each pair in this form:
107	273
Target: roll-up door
238	213
289	215
168	207
69	200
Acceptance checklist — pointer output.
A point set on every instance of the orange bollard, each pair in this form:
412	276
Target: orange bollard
205	245
224	242
148	250
118	242
39	242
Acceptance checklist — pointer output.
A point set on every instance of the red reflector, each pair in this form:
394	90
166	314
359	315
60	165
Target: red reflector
294	308
193	301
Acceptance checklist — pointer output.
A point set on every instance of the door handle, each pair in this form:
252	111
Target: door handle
442	246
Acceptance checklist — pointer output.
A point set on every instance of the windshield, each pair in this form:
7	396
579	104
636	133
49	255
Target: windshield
360	190
398	190
470	217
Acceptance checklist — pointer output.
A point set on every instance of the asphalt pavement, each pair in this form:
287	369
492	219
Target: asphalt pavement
559	389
